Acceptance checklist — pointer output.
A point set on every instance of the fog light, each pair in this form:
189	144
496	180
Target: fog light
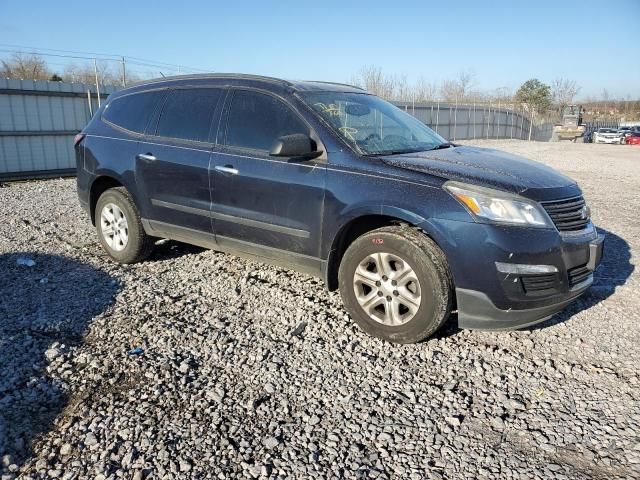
524	269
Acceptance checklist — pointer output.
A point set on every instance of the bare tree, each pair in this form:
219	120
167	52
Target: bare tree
397	87
459	88
425	91
503	95
401	88
563	91
23	66
107	75
605	100
466	81
449	90
372	79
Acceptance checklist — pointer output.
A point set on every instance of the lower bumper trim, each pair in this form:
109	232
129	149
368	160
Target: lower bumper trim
477	312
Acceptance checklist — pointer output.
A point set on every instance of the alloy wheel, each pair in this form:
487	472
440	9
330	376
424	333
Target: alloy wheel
387	288
114	227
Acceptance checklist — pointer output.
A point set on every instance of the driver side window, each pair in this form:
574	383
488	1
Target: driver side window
256	120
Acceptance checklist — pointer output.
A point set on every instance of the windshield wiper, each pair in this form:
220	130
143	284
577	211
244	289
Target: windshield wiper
412	150
395	152
443	145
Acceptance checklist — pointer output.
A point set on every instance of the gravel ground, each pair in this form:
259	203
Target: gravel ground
252	371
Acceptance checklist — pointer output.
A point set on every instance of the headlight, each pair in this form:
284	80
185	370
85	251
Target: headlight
495	206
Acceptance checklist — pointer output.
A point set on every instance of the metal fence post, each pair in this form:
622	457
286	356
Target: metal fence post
474	120
488	120
512	124
455	119
437	116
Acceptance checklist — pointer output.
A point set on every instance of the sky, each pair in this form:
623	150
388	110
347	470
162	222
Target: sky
503	43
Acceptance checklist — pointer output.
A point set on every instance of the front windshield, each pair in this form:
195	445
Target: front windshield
371	125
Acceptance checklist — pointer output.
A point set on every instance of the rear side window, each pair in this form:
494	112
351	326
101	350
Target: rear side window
187	114
132	111
256	120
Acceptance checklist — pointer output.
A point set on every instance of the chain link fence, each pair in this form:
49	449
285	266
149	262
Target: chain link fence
470	121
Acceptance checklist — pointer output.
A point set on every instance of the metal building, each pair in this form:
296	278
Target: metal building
38	120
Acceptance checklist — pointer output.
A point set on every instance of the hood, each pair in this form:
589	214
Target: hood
489	168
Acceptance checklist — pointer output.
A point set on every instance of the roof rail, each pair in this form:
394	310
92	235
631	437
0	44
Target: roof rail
336	83
197	76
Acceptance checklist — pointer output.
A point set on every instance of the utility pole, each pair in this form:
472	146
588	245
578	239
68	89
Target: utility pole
124	73
95	70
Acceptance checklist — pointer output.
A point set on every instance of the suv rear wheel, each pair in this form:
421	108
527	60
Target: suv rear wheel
395	283
119	227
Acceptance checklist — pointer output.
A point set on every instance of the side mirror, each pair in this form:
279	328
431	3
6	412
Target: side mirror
296	145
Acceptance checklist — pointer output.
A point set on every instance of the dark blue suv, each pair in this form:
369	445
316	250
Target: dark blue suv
332	181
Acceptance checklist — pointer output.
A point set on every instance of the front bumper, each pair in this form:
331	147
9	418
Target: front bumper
477	311
607	140
490	298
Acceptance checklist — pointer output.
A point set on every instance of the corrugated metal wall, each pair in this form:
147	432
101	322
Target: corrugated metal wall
38	120
467	122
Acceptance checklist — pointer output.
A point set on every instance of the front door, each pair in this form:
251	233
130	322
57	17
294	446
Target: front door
259	200
173	164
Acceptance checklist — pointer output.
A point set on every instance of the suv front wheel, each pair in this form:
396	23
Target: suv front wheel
395	283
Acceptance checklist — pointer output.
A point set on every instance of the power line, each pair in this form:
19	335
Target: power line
53	55
118	58
62	51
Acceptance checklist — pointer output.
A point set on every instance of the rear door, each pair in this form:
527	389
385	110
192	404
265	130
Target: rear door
112	144
271	202
173	160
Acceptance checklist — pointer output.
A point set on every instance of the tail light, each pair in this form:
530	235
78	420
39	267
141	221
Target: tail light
77	139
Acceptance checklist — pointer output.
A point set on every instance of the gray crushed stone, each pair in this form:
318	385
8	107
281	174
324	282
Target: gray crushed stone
252	371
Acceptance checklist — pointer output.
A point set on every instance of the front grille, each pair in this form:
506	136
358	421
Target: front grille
539	283
568	215
578	275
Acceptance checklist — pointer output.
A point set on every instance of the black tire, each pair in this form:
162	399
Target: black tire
139	245
430	266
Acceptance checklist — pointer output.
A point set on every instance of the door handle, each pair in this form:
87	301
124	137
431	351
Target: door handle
146	156
228	169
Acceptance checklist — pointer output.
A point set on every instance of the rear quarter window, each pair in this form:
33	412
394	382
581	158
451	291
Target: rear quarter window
132	112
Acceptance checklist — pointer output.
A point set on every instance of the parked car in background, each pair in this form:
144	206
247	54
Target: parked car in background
633	138
624	132
330	180
606	135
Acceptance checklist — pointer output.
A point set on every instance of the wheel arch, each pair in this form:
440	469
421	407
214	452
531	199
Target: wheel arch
359	222
100	185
